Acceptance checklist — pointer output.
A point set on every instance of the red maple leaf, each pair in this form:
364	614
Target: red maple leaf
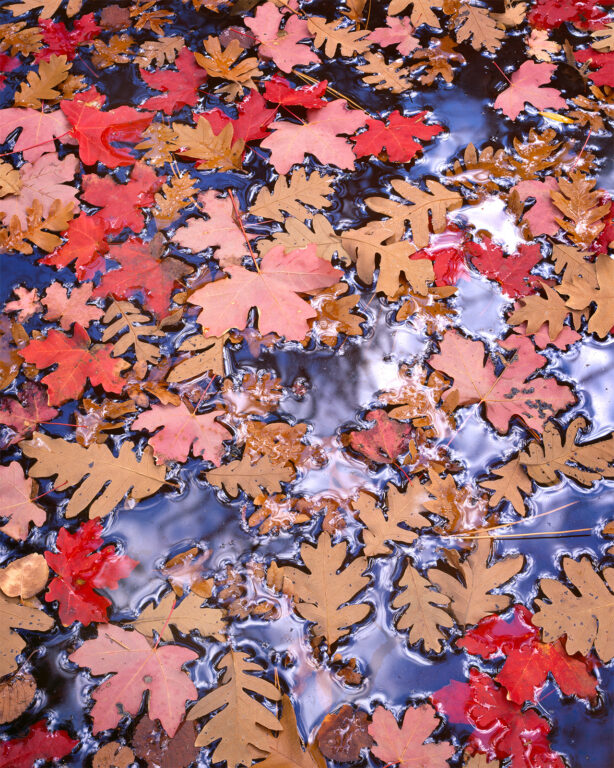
501	728
95	129
448	263
279	91
81	570
180	86
58	40
601	65
23	416
384	442
39	744
140	272
77	360
528	662
252	122
121	204
511	272
397	137
7	64
85	243
549	14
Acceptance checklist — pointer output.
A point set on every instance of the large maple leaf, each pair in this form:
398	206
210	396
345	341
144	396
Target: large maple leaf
38	130
122	204
501	728
528	662
320	135
95	129
252	120
526	85
39	744
60	41
273	289
142	273
77	360
138	667
181	430
282	46
512	392
404	746
180	88
85	245
511	272
81	570
397	137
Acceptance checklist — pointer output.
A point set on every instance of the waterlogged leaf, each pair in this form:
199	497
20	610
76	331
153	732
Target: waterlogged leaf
39	742
323	585
513	392
291	195
250	476
511	272
343	734
103	478
384	442
287	749
152	744
24	415
582	615
187	615
243	724
16	694
404	745
582	206
137	667
113	755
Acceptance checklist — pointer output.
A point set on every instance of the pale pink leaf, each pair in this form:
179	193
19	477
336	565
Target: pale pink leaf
38	130
26	305
399	32
282	46
525	86
16	492
541	216
70	309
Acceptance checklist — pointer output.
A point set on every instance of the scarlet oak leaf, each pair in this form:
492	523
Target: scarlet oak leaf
23	415
180	88
181	430
40	743
38	130
397	137
282	46
511	272
542	215
77	361
320	135
528	662
141	272
85	245
279	91
81	570
404	746
95	129
508	394
16	492
121	204
501	728
70	309
138	668
526	86
273	289
384	442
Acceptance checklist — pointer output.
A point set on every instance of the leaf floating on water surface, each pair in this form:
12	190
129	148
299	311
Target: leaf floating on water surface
343	734
287	749
16	616
243	724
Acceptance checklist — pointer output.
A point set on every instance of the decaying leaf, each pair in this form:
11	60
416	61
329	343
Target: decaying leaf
187	615
287	749
251	477
16	616
292	195
16	695
24	577
581	205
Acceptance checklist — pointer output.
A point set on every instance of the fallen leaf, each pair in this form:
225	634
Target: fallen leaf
24	577
16	616
526	86
136	668
16	695
39	743
24	415
282	46
69	309
16	502
179	87
343	734
187	615
397	137
384	442
288	750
